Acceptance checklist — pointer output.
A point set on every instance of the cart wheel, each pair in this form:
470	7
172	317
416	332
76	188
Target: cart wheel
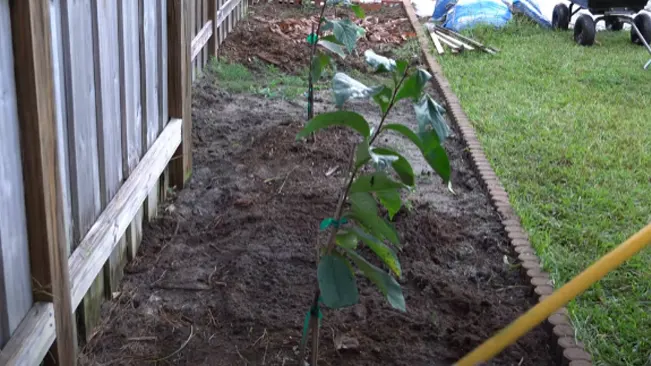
614	24
643	23
584	30
561	17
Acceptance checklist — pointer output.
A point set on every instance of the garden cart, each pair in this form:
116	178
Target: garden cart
614	13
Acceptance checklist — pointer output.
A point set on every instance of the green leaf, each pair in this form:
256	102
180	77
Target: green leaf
365	213
375	182
332	46
391	201
359	12
379	63
319	63
345	31
363	203
430	114
383	98
362	154
400	165
387	285
338	118
336	282
435	155
345	88
347	240
406	132
413	86
430	147
386	254
401	67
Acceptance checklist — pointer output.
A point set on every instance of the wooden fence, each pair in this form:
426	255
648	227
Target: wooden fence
95	127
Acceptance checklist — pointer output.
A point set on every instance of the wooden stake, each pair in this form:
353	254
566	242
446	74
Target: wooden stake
30	20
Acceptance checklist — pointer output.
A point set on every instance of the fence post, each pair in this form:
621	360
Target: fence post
213	42
30	20
180	86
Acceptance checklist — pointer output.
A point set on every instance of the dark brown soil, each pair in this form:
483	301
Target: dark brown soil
227	273
271	25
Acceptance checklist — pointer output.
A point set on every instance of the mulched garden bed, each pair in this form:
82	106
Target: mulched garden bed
226	275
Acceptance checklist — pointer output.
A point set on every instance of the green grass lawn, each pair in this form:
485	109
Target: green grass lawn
568	131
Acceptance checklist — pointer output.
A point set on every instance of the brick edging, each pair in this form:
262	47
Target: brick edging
567	351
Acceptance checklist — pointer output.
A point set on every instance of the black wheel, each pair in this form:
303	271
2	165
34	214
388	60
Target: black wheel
643	23
561	17
614	24
584	30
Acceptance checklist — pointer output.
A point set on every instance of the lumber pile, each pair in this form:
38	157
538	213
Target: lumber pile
443	37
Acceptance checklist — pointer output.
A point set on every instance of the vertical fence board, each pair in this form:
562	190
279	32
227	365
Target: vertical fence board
107	81
149	59
82	131
129	36
213	42
204	20
162	77
193	26
15	278
61	116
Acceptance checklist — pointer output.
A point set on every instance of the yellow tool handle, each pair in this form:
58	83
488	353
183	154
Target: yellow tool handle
558	299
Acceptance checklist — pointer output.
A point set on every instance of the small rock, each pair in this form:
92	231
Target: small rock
346	343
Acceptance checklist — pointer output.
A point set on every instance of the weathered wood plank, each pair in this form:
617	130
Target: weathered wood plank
82	131
195	30
180	97
129	36
33	337
213	42
108	97
164	92
204	21
201	39
91	254
82	115
60	104
149	83
224	13
15	279
30	20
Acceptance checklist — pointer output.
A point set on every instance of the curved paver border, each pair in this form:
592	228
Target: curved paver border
568	351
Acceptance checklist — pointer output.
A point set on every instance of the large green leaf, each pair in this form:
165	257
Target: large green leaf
336	282
406	132
391	200
379	63
345	31
400	165
386	254
387	285
329	43
429	114
344	88
429	145
383	98
376	225
363	202
319	63
413	86
435	155
376	182
362	154
346	239
338	118
359	12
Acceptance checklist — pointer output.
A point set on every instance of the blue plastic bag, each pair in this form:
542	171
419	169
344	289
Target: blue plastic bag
531	9
470	13
441	9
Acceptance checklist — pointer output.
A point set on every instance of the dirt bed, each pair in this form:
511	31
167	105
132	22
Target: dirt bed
226	275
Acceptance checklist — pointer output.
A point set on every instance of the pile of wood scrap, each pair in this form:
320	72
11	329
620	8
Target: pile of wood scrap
455	41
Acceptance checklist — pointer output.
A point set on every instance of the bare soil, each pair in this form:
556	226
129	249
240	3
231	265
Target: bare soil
226	275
